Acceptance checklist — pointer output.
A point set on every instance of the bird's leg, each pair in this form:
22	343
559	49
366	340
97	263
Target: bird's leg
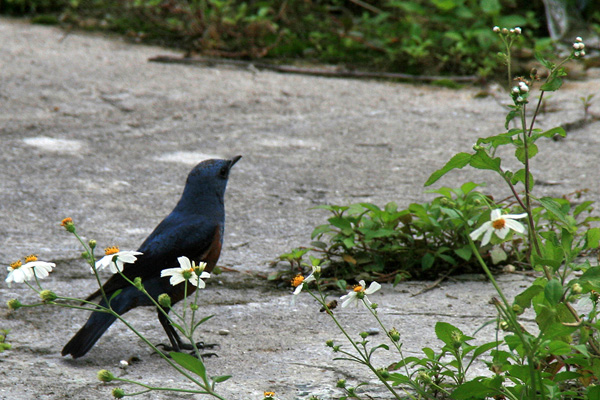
176	343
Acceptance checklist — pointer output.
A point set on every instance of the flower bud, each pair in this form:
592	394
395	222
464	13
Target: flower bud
118	393
518	30
164	300
194	306
394	335
105	375
576	288
384	373
92	244
496	29
68	224
341	384
504	325
517	309
505	31
456	338
423	377
48	295
14	304
137	282
329	343
364	335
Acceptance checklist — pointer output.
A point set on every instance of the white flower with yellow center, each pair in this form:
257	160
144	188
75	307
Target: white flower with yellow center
360	293
114	259
187	271
500	225
299	281
19	272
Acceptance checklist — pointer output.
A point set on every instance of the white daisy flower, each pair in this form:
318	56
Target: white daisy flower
299	281
359	292
114	259
19	272
500	225
187	271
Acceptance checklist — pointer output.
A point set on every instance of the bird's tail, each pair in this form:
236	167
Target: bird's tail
89	334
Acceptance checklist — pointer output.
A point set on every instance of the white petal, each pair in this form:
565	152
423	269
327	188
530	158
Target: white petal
487	237
127	258
117	267
515	226
515	216
184	262
170	272
298	289
103	262
348	299
362	284
194	280
176	279
201	284
502	232
496	214
204	275
309	278
373	288
479	231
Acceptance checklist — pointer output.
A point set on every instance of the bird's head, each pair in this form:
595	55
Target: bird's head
207	181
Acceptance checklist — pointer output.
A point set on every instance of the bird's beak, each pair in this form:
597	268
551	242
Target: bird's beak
233	161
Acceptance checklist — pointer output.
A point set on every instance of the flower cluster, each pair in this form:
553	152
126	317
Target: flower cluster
578	47
506	31
32	269
520	92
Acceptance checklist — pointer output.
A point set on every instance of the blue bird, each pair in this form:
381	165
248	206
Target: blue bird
193	229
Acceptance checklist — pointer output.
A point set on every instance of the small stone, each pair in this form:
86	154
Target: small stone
372	331
223	332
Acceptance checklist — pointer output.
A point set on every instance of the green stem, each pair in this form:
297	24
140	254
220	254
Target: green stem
363	356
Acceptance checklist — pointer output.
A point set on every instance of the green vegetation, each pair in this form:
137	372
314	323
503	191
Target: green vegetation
435	37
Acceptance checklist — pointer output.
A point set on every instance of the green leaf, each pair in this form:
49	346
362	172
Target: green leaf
427	261
553	207
464	252
490	7
219	379
485	347
524	299
510	116
470	390
592	238
459	161
542	60
519	176
481	160
553	83
532	150
550	133
553	292
320	230
444	5
342	223
447	333
190	363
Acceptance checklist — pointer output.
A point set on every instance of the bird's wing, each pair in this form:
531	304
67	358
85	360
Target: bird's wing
175	236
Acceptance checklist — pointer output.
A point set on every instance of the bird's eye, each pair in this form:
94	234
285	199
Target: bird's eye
224	172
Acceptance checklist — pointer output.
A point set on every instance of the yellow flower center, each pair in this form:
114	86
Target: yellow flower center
358	288
31	258
499	223
16	264
66	221
269	394
111	250
295	283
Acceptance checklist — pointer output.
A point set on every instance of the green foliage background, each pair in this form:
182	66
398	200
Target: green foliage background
441	37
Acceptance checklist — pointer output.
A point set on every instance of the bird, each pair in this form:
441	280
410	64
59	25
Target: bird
193	229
